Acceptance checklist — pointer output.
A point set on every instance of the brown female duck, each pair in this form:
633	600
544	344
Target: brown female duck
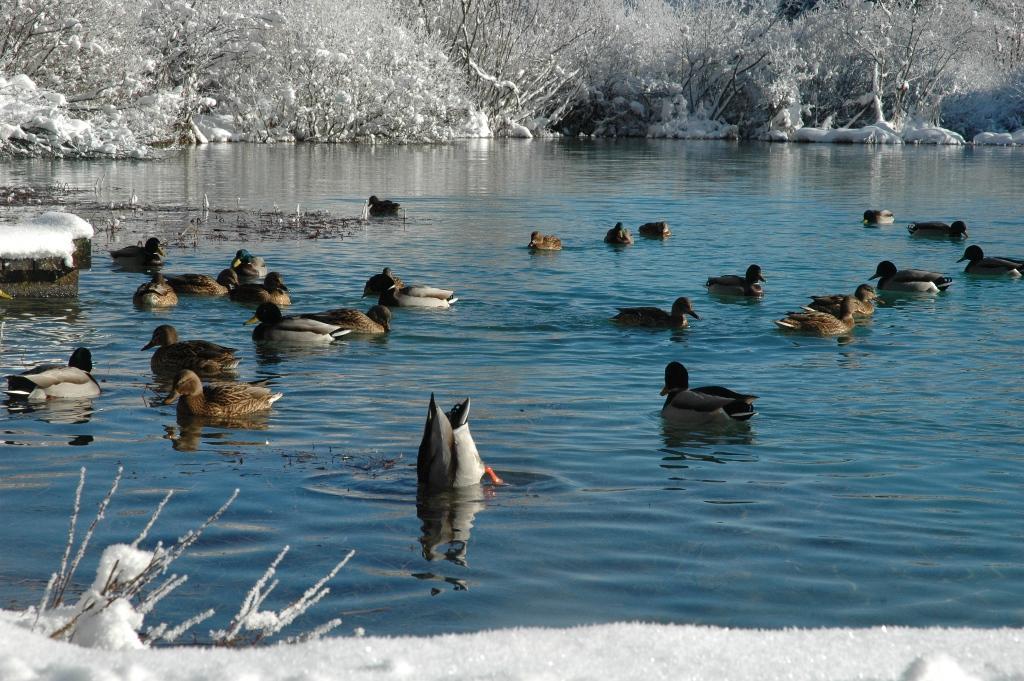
218	399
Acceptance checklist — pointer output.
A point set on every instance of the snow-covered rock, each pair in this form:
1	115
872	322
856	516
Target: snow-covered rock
50	235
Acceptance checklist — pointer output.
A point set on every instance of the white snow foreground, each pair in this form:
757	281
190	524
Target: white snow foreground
610	651
50	235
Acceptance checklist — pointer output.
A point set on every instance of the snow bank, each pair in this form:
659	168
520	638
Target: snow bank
612	651
1000	138
50	235
913	132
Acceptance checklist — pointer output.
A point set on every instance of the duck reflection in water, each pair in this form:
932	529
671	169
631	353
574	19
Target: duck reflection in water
192	429
447	521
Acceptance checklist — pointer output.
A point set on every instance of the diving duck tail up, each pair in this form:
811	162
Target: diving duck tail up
448	457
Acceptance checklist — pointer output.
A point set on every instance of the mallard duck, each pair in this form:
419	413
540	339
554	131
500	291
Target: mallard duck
56	380
655	230
909	281
735	285
379	283
248	266
706	405
150	254
821	323
203	284
879	217
272	290
409	297
218	399
203	357
376	320
275	327
448	457
544	242
155	293
656	317
862	302
979	264
618	235
940	230
378	208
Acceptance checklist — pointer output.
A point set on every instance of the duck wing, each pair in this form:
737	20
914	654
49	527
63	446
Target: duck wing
727	280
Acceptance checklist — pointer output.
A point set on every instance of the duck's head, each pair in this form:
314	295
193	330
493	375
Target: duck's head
754	274
458	415
274	281
379	282
683	306
958	229
973	253
185	383
885	269
380	314
267	313
242	256
676	378
373	200
165	334
870	216
662	227
228	278
865	292
81	358
153	246
535	237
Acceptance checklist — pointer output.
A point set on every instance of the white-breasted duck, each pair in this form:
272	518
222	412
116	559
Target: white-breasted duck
735	285
909	281
702	406
448	457
981	265
879	217
939	230
46	381
277	328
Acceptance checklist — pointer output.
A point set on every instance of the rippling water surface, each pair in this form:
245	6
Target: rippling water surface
880	483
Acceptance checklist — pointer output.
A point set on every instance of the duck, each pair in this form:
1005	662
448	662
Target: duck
409	297
376	320
4	295
379	283
656	317
248	266
149	254
863	304
821	323
544	242
708	405
218	399
879	217
909	281
735	285
979	264
75	380
448	457
618	235
275	327
957	230
203	284
655	230
272	290
173	355
378	208
155	293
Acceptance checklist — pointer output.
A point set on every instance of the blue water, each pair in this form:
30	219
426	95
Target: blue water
879	483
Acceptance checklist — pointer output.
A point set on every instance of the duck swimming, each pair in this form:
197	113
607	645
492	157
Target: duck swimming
821	323
218	399
708	405
735	285
909	281
173	355
879	217
150	254
448	457
248	266
940	230
655	230
272	290
618	235
863	304
57	381
275	327
378	208
544	242
381	283
376	320
203	284
656	317
981	265
155	293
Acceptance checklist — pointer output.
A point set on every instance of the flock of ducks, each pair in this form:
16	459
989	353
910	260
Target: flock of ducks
448	456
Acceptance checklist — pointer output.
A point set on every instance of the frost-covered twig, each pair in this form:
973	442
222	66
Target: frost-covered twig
71	530
152	519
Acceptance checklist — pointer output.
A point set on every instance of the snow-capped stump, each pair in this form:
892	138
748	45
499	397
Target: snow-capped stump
40	257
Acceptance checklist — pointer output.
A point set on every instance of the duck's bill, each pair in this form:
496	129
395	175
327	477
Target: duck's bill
664	391
170	398
251	320
5	296
693	314
147	346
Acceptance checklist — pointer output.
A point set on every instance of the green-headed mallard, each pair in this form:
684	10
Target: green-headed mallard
448	457
909	281
172	355
821	323
155	293
879	217
655	230
656	317
735	285
248	266
863	305
378	208
702	406
376	320
272	290
618	235
149	254
939	230
203	284
218	399
277	328
544	242
981	265
57	380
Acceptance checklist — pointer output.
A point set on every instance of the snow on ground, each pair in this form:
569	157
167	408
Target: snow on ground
1000	138
611	651
50	235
